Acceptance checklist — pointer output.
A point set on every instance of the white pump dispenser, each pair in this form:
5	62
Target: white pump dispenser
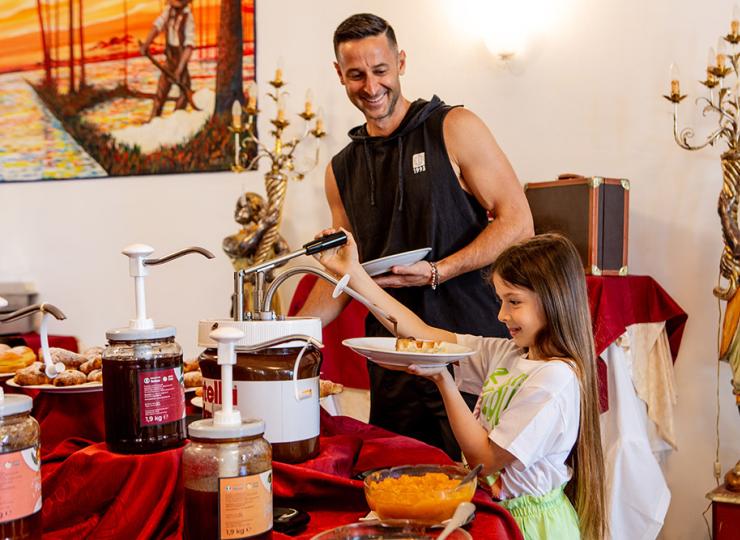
137	270
226	422
142	327
226	337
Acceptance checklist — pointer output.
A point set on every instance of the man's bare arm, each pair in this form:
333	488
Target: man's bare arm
320	302
486	173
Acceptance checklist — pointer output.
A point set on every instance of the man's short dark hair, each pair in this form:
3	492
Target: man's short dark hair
362	25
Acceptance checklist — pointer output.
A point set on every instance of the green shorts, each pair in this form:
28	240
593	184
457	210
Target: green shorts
549	516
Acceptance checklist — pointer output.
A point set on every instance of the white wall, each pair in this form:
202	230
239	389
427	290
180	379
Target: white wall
586	99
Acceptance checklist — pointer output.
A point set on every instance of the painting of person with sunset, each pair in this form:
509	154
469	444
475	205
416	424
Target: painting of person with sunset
99	88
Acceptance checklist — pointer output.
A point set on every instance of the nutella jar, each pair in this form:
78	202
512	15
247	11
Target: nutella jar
20	463
228	482
277	382
143	392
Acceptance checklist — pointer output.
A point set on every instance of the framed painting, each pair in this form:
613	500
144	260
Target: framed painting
101	88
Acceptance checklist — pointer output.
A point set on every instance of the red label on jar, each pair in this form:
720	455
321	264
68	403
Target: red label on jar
161	396
20	484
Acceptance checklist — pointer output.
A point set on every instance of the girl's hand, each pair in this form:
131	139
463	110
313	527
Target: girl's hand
436	374
341	260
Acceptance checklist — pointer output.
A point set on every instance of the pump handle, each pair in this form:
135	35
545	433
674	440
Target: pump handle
325	242
167	258
30	310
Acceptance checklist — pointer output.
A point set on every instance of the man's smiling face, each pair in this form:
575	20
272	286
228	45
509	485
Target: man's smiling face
370	70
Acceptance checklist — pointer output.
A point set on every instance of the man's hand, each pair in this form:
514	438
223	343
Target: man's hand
414	275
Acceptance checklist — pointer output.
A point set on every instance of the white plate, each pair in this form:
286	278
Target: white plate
197	401
384	264
6	375
191	389
83	388
382	350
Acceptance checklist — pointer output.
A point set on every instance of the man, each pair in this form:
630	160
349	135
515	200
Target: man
178	24
416	175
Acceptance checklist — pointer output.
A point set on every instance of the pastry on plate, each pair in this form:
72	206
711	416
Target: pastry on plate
91	365
96	375
70	377
31	375
327	388
193	379
411	344
15	358
191	365
70	359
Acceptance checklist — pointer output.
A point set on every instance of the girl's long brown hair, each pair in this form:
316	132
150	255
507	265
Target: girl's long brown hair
549	265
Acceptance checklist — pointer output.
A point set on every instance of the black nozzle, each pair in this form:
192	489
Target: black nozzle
325	242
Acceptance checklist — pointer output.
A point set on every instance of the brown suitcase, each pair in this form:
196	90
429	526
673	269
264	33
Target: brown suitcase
593	212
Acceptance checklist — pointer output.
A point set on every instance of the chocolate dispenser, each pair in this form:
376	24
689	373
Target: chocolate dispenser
143	390
276	376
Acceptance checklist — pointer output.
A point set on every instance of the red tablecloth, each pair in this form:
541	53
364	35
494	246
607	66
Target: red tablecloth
616	302
90	492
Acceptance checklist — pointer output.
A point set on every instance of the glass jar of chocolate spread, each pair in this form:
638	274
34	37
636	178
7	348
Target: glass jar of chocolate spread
228	482
144	394
277	383
20	463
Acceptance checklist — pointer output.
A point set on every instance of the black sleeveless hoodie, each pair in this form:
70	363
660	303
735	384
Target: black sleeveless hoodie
400	193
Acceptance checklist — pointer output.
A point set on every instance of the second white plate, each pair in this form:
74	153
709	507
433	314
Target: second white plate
384	264
382	350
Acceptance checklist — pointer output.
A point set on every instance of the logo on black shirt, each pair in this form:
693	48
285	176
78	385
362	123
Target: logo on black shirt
418	163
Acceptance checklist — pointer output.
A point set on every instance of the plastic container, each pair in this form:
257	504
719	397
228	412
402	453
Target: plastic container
424	493
236	467
279	384
143	394
20	463
392	529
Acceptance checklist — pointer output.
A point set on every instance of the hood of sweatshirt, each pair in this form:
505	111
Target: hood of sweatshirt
418	112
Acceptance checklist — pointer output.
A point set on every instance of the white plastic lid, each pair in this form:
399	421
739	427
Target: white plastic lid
132	334
206	429
256	332
14	403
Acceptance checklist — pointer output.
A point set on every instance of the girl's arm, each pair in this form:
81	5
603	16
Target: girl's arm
344	260
470	435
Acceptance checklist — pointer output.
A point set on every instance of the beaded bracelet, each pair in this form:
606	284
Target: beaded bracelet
435	275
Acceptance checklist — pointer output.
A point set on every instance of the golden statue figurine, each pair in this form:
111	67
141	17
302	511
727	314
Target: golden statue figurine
242	247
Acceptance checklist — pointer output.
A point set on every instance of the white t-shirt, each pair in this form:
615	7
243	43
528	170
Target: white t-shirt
529	407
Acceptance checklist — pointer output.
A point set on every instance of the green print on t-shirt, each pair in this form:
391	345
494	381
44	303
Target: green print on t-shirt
497	393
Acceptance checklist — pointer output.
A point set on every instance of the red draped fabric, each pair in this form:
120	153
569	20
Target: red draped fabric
91	492
33	341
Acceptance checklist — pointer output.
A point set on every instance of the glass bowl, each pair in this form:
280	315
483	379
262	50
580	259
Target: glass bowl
392	529
423	493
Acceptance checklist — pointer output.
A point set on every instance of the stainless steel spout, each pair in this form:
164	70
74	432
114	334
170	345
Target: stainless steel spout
30	310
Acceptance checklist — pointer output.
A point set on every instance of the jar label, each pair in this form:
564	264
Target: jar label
245	505
161	396
20	484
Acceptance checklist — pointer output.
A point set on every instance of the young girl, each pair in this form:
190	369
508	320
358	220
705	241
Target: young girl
535	428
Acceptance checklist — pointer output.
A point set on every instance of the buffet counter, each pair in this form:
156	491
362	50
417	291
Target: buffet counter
91	492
